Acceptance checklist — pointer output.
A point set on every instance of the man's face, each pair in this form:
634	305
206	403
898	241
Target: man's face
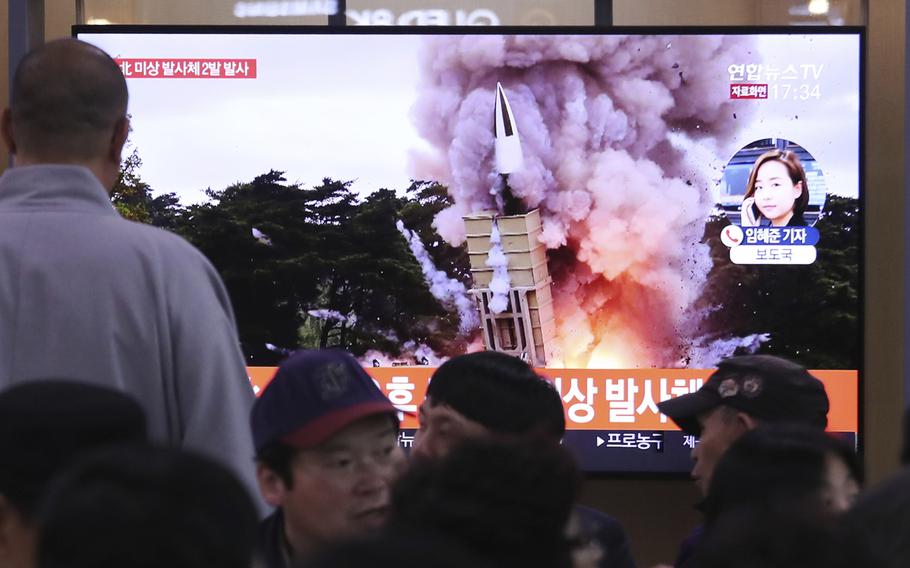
720	427
341	487
840	488
441	429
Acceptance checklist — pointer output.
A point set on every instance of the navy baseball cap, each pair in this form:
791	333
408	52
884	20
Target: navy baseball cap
314	394
768	388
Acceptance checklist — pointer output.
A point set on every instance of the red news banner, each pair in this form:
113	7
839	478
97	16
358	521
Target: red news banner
157	68
604	399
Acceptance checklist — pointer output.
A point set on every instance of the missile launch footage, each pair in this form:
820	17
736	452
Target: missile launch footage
560	197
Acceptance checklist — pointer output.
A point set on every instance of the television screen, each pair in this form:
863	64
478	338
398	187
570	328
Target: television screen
621	208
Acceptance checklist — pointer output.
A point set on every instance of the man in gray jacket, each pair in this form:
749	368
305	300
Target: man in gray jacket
88	296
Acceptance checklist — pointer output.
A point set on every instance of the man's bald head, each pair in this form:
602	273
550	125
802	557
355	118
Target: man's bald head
67	101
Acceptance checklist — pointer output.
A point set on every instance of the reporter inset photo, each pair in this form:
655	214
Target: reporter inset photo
773	183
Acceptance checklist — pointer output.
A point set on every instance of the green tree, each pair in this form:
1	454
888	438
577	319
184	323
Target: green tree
133	199
811	312
325	249
269	282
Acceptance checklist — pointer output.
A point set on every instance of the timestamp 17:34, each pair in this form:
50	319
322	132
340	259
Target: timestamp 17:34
801	92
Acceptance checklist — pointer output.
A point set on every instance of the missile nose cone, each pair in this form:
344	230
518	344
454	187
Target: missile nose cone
507	143
503	125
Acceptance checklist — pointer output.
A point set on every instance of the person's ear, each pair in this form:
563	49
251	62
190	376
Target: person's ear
118	139
271	486
6	130
746	422
797	189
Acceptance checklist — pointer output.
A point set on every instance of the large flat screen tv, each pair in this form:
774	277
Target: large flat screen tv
622	208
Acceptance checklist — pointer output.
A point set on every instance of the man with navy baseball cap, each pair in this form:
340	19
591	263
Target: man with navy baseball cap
327	451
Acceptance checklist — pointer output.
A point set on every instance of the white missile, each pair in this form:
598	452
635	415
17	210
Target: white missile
508	146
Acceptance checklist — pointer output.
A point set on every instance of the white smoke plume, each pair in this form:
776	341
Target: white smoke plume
500	284
424	355
449	291
281	350
708	354
261	237
332	315
605	121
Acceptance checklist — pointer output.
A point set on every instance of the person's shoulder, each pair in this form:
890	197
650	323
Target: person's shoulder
171	246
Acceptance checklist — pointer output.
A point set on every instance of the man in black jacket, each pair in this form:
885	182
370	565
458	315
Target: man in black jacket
744	392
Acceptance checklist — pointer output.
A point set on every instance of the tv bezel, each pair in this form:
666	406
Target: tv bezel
858	31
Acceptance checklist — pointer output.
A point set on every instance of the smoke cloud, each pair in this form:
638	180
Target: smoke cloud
709	354
449	291
605	123
332	315
412	353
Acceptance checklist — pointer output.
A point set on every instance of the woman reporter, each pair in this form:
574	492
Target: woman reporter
777	192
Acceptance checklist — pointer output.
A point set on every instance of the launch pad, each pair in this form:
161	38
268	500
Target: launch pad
526	328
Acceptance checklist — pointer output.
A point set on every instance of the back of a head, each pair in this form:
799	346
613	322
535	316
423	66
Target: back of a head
759	538
45	425
65	99
146	507
880	518
507	501
501	392
776	467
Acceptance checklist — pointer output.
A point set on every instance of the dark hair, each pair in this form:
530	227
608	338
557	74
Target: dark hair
794	169
797	538
507	501
501	392
64	98
45	425
277	456
146	508
775	466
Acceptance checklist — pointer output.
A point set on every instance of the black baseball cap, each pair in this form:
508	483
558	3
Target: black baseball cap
314	394
766	387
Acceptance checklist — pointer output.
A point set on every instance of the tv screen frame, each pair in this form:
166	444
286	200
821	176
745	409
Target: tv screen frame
588	443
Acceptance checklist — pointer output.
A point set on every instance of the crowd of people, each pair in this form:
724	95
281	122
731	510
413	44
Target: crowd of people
130	435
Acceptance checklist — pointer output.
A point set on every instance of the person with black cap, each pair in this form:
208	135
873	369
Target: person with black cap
327	452
742	393
465	402
44	427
